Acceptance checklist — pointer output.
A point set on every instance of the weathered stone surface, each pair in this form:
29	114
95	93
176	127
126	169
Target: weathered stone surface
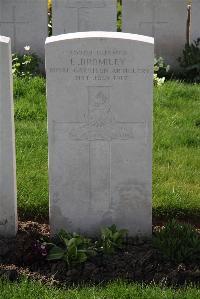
99	88
165	20
84	15
8	201
26	23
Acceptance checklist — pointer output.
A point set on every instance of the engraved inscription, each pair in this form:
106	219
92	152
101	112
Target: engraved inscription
100	65
101	123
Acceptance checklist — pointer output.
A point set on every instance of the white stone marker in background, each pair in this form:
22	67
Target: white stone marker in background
26	23
99	89
8	200
195	16
84	15
165	20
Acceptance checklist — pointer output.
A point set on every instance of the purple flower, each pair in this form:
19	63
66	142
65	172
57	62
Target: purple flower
39	248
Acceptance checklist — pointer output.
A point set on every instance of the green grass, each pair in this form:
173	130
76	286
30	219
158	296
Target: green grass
117	290
176	174
31	147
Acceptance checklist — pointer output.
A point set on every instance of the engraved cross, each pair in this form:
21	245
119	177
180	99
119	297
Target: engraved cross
153	22
13	22
101	125
82	8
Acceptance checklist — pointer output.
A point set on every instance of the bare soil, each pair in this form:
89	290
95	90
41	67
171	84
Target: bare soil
137	262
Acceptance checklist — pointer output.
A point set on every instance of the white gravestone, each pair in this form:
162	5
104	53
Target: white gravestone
8	201
195	16
84	15
165	20
26	23
99	89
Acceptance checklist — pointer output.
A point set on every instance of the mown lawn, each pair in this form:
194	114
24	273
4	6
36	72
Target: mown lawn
117	290
176	167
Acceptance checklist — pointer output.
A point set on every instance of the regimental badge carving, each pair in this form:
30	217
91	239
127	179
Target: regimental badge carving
101	123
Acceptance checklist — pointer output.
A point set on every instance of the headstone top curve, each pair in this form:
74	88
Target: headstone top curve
100	34
4	39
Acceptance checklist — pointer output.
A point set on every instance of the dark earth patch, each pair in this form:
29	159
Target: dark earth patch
137	262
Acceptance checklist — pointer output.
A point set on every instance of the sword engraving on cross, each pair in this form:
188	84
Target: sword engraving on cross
101	126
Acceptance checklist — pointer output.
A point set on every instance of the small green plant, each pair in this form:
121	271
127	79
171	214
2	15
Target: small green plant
25	65
160	71
178	242
72	248
112	239
75	249
190	62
